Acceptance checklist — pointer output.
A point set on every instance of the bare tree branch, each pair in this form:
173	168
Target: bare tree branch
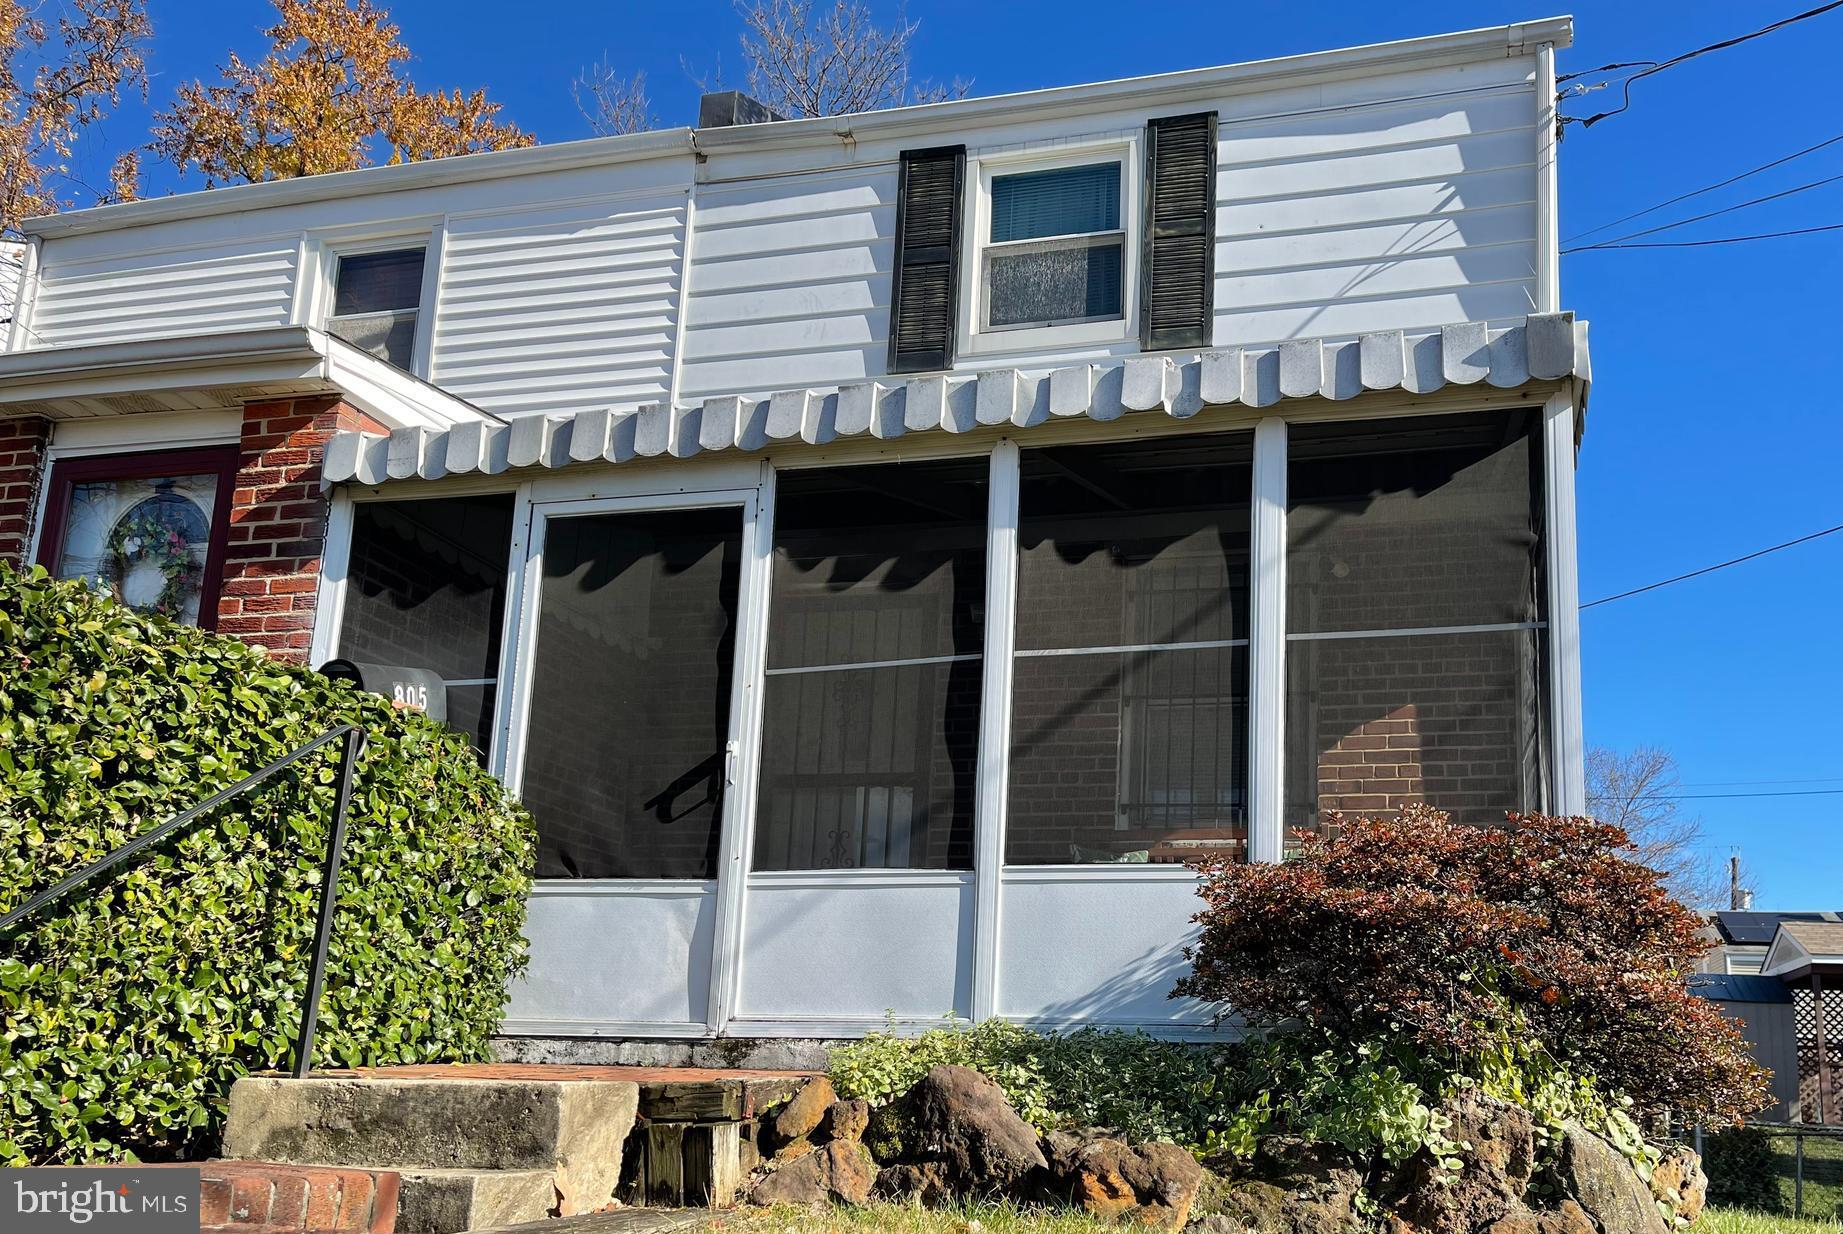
1636	789
611	103
809	60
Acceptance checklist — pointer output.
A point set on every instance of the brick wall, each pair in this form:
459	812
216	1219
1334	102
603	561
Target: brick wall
262	1197
278	522
22	461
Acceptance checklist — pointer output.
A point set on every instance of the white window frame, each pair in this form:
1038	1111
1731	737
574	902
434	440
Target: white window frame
978	339
319	258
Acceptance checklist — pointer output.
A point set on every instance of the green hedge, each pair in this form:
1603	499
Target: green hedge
127	1010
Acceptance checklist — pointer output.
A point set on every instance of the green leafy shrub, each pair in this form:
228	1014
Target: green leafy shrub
1743	1169
129	1008
1451	935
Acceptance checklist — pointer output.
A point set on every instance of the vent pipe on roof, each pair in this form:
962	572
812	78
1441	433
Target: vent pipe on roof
732	107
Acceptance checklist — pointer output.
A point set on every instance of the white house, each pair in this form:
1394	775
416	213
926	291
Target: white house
879	549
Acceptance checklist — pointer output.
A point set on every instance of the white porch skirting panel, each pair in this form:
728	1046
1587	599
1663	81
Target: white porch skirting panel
1545	347
1101	945
616	957
841	950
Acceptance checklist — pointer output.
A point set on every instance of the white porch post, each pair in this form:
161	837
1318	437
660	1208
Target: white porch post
1567	742
742	756
994	722
1267	645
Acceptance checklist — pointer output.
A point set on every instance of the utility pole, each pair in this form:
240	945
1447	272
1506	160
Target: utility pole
1739	898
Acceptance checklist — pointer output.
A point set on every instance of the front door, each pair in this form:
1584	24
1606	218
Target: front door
625	756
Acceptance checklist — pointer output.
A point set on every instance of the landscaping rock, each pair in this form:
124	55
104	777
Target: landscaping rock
1598	1176
1679	1182
924	1183
1497	1154
845	1120
839	1172
1291	1186
957	1117
800	1117
1152	1185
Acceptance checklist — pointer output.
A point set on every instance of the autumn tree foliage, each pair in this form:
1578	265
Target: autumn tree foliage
56	80
1454	935
330	95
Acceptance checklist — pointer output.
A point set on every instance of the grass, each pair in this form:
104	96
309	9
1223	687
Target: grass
1740	1221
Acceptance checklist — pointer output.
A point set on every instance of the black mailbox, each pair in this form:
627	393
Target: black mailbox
416	688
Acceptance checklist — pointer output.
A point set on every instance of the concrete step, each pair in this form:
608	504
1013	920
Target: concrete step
445	1201
572	1129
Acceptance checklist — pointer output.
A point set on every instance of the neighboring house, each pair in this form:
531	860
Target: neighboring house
1790	1006
1741	938
880	549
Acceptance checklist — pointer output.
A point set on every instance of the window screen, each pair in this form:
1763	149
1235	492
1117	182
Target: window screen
375	301
1055	251
1414	611
1129	704
875	627
630	696
426	588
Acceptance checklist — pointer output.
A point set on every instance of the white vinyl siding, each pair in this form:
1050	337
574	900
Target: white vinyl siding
561	311
138	294
790	283
1394	216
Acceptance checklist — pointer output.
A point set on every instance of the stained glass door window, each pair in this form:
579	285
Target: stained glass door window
147	529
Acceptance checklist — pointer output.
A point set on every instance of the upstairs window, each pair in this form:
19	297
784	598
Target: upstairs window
377	298
1055	252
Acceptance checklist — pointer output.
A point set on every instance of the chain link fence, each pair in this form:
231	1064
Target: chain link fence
1785	1168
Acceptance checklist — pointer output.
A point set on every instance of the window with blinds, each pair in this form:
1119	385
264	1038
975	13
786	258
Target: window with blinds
1055	253
377	298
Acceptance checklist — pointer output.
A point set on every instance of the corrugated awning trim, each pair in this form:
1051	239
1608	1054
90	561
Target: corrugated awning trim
1546	347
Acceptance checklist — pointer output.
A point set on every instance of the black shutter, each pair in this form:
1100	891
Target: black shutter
924	289
1178	266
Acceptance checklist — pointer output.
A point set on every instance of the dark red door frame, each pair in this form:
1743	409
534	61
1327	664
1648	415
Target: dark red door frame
220	461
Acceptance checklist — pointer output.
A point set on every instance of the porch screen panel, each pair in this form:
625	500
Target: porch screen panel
630	696
1129	703
1414	618
871	705
426	588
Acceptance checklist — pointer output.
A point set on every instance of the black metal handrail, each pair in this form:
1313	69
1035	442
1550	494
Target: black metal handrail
329	885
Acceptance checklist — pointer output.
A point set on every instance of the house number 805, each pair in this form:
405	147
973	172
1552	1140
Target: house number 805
408	694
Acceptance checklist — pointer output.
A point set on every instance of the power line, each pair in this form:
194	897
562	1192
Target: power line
1698	218
1707	188
1626	100
1719	565
1735	783
1722	796
1697	244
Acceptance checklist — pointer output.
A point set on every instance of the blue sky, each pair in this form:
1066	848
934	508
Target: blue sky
1716	426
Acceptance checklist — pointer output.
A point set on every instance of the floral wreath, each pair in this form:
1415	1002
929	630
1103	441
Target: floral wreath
148	533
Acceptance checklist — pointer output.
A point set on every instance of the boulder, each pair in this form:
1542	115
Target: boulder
839	1172
960	1119
1679	1182
845	1120
801	1116
1568	1218
924	1183
1497	1154
1291	1186
1151	1185
1597	1176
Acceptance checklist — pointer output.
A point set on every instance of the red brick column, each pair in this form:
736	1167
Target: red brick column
22	463
278	522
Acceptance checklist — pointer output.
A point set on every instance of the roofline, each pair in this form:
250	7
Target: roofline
268	354
1512	39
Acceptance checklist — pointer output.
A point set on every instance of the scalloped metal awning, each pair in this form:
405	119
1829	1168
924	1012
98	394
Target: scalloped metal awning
1549	347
